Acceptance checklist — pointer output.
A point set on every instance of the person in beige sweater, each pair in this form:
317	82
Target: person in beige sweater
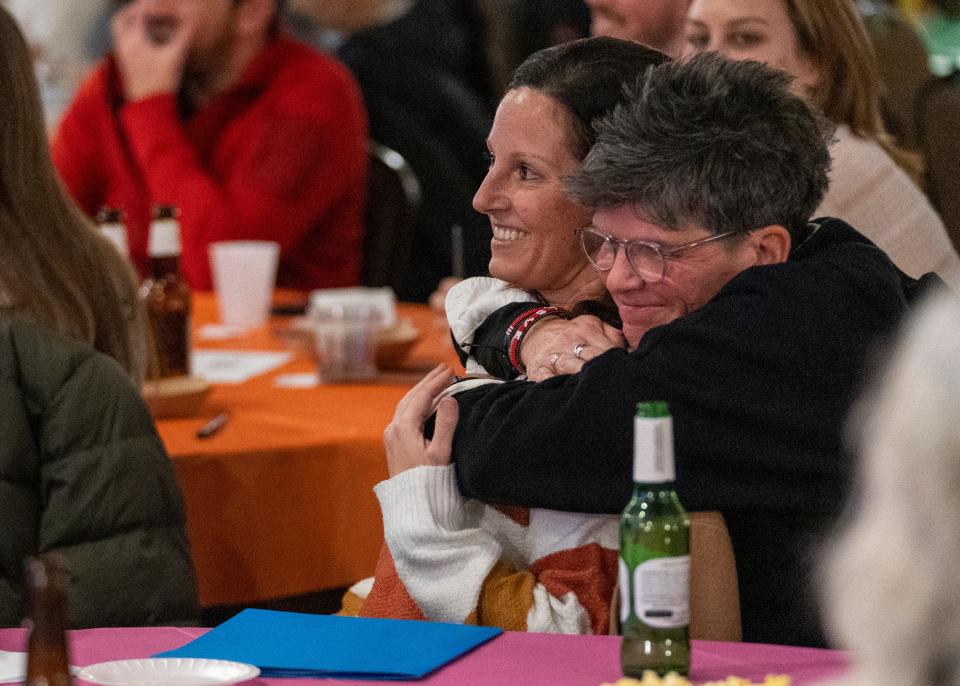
823	44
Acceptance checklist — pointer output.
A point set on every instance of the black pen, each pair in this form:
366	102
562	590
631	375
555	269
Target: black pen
213	426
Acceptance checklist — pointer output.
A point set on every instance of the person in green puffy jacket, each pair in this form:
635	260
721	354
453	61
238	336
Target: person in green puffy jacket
83	473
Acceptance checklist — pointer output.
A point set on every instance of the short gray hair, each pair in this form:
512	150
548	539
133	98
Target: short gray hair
893	578
710	142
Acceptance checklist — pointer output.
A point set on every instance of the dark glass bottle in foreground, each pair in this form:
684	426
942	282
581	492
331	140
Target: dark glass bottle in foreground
654	555
166	296
48	660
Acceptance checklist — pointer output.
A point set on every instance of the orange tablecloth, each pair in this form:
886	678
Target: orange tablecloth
280	501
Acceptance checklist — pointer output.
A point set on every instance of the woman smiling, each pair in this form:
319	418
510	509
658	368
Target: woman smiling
540	135
455	560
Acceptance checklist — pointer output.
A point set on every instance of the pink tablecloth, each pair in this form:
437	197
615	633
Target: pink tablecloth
512	659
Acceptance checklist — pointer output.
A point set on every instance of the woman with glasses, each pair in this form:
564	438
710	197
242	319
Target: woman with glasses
755	326
454	560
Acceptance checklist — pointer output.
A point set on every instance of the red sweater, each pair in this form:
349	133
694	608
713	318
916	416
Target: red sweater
280	156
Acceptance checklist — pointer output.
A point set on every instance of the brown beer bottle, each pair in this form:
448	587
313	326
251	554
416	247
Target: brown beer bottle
48	661
166	296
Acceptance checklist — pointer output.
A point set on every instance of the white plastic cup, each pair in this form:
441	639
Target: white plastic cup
244	274
345	342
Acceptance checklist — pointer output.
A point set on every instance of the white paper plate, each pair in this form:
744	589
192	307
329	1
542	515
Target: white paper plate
170	671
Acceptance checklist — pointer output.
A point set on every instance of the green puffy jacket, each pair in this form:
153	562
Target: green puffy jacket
83	473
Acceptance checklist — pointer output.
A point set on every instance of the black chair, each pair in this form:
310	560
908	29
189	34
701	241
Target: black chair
393	196
446	193
938	124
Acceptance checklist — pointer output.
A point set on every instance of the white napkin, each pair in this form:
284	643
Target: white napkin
220	332
306	380
235	366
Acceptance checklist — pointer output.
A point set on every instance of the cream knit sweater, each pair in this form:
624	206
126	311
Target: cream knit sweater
872	194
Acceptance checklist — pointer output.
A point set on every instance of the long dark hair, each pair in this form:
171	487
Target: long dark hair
587	77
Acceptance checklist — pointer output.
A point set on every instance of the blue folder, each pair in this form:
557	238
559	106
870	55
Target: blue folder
291	644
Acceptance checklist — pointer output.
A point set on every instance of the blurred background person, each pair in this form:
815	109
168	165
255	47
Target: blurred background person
554	23
541	24
428	99
207	106
902	66
892	580
657	23
82	470
824	46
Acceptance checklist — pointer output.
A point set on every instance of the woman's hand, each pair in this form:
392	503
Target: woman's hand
558	346
403	437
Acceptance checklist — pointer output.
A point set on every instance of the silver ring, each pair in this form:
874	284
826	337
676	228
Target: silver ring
553	362
578	348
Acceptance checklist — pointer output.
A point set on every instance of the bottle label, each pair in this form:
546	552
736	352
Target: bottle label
117	235
653	450
164	239
661	592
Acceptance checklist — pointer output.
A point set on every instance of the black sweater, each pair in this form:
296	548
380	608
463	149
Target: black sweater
759	381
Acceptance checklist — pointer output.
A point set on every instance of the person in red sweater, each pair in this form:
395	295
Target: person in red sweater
205	105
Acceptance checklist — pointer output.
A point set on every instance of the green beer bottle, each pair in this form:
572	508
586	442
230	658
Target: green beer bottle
654	555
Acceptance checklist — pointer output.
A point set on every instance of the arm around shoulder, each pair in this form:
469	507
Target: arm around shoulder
564	443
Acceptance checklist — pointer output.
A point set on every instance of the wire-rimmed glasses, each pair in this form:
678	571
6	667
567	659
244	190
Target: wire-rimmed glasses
647	259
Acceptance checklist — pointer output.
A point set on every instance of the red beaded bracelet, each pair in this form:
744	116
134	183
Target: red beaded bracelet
519	327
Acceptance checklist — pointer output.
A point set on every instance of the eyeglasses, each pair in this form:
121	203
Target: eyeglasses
648	260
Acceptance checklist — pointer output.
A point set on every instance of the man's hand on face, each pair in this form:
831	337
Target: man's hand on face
151	49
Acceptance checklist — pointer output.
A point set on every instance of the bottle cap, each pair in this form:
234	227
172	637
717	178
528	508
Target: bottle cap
165	212
653	408
109	215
